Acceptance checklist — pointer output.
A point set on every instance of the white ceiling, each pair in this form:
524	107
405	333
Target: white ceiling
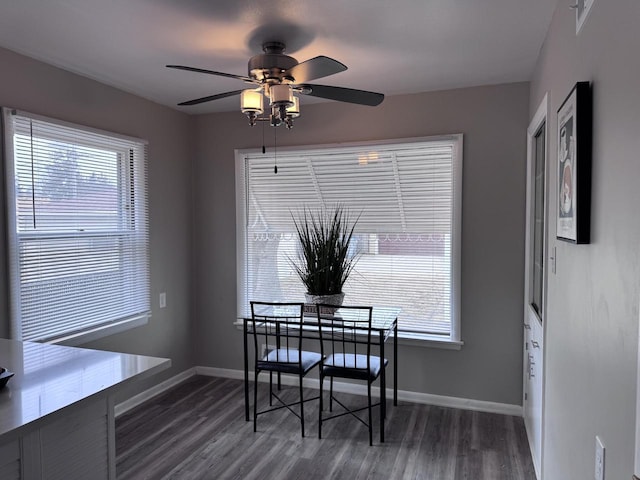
391	47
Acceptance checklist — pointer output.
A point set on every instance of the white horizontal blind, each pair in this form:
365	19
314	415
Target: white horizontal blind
78	227
405	195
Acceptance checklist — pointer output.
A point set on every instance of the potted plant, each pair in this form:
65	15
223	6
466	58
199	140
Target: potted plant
324	261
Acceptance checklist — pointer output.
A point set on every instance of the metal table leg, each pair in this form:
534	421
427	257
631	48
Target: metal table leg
246	372
395	363
383	388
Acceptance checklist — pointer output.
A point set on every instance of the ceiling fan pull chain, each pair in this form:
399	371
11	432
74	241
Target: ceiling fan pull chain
264	150
275	151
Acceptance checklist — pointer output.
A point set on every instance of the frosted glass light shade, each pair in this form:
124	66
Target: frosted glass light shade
294	110
251	101
281	95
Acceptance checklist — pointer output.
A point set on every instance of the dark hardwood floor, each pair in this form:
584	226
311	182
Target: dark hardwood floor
197	431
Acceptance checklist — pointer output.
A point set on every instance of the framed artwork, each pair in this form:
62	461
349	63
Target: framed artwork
574	166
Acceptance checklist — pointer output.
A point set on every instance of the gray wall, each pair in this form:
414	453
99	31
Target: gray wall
493	121
592	325
592	319
35	87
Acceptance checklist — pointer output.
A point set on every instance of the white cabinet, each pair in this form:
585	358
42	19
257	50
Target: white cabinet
77	445
10	461
533	388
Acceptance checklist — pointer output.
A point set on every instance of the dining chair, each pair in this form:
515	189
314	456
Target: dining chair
276	328
347	336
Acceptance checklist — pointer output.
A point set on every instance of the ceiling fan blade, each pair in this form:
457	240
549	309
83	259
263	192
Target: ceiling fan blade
313	68
210	98
211	72
341	94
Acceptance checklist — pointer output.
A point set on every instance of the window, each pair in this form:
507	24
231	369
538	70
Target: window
78	229
537	273
408	196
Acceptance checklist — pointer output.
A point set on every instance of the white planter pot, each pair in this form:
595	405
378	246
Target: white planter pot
334	299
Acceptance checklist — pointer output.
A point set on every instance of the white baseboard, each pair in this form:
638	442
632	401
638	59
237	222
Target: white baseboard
153	391
357	389
344	387
462	403
221	372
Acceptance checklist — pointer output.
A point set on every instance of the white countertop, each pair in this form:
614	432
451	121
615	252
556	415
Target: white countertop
51	378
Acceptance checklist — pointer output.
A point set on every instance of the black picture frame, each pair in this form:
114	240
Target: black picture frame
573	186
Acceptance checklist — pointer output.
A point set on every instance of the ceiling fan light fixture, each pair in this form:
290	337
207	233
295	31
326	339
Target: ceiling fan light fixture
281	94
251	101
251	104
293	110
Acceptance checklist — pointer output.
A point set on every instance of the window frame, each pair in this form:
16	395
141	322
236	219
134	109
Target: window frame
132	220
538	232
453	341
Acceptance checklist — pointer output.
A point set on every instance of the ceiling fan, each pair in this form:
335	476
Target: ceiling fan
280	78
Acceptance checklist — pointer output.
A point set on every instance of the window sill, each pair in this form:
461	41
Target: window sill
76	339
428	341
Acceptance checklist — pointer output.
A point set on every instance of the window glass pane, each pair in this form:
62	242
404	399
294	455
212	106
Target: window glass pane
403	196
79	228
64	187
538	225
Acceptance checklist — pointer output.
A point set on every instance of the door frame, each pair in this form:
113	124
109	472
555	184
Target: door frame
636	466
539	119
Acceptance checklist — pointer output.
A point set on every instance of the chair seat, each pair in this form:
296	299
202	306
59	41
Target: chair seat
352	366
286	361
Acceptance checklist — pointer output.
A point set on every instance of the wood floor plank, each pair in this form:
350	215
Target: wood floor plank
197	431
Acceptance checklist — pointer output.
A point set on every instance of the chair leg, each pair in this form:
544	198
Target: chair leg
331	394
320	409
382	419
383	395
369	409
270	388
255	401
301	407
383	406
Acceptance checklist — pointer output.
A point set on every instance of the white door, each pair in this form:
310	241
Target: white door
535	282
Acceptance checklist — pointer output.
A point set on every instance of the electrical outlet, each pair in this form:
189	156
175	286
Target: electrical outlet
163	300
599	474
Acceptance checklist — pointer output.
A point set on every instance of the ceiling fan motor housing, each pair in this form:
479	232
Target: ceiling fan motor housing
268	67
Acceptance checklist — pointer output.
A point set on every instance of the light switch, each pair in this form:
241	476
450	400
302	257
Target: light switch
163	300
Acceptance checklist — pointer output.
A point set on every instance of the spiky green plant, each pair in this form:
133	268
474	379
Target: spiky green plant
324	262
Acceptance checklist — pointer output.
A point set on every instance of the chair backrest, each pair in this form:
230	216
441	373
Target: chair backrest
346	334
276	326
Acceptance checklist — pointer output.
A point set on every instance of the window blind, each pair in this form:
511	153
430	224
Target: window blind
406	197
78	227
